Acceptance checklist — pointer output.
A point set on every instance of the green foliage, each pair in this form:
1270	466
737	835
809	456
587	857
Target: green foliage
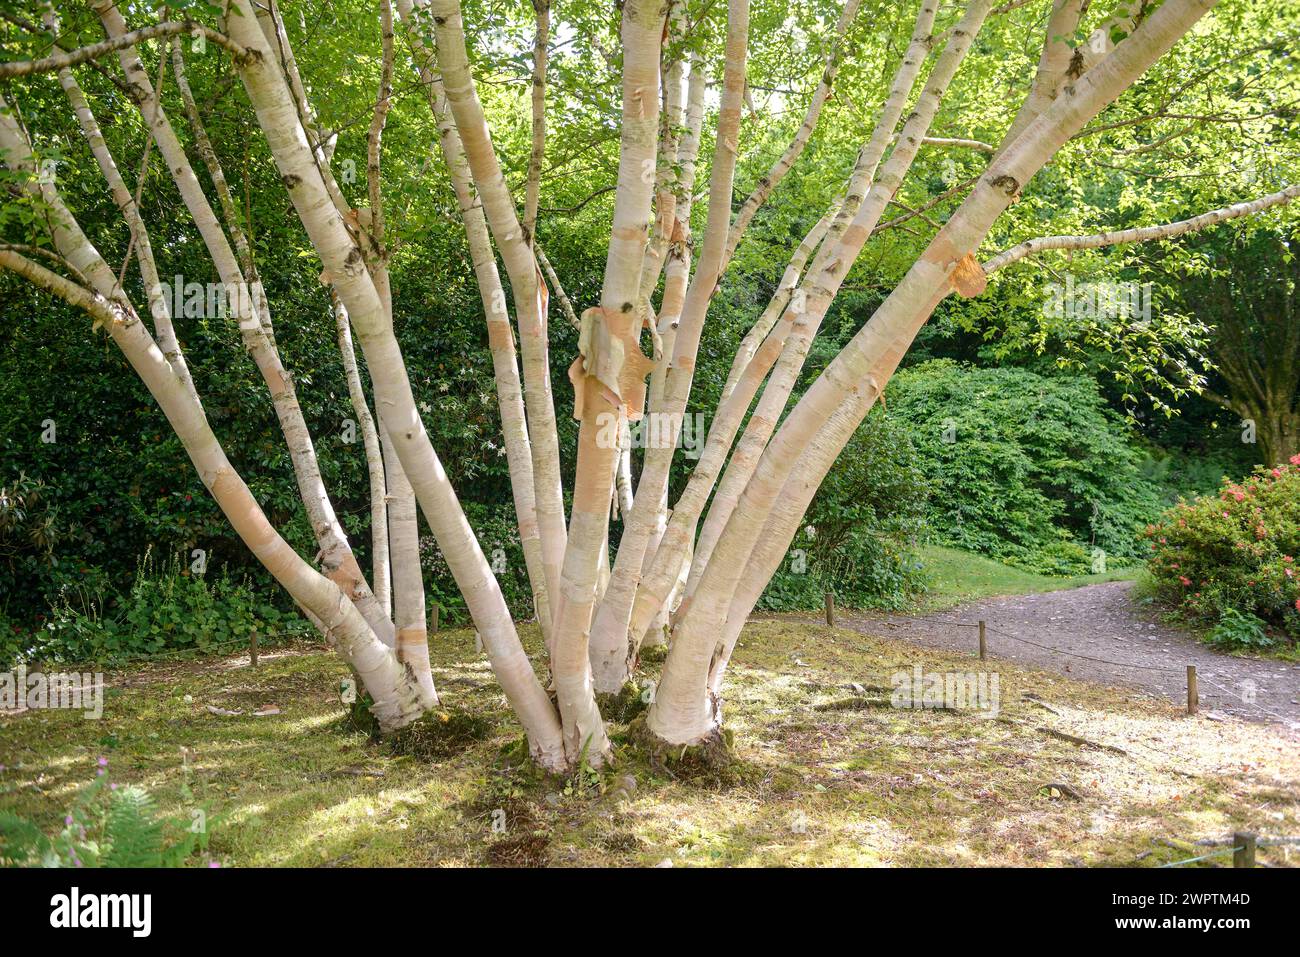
167	609
1238	631
1232	557
107	826
116	482
857	539
1030	469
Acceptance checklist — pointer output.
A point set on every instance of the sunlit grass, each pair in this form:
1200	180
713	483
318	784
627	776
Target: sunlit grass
958	576
810	786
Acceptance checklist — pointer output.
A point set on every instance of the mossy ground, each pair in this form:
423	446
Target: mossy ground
806	785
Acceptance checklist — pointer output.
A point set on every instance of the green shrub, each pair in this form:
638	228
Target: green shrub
167	609
1220	557
857	536
1032	470
1239	631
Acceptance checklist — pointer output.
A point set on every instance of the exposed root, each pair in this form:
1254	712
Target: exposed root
1054	789
852	704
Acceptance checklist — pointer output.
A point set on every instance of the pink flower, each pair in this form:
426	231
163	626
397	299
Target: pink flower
1184	579
1295	460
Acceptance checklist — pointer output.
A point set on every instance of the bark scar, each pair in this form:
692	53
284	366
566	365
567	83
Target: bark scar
609	351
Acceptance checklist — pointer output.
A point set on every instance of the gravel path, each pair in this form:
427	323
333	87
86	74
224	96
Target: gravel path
1110	638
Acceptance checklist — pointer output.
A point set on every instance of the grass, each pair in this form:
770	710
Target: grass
823	775
959	576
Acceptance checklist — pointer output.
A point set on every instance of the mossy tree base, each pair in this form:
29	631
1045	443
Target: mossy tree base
708	757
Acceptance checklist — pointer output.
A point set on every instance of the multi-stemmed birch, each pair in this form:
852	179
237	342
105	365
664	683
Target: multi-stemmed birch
715	549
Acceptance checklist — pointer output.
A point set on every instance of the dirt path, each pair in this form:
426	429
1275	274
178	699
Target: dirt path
1121	642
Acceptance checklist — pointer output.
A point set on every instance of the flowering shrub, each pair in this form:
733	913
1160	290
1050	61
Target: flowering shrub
1235	553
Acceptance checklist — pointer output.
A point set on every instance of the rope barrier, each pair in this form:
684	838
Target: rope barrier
1260	842
1248	704
1204	857
1154	668
1074	654
1107	661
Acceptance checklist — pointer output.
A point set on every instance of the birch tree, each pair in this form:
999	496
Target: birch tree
695	563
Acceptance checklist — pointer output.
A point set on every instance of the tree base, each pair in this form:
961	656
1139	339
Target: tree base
359	719
439	734
434	735
708	758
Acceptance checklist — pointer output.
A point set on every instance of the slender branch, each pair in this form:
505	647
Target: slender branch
533	189
795	149
96	50
50	255
565	304
959	143
1142	234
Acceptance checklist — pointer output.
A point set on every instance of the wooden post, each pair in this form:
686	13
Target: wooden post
252	649
1244	855
830	609
434	609
1193	699
983	649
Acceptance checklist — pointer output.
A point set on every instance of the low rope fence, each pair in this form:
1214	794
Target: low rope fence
1243	845
1190	673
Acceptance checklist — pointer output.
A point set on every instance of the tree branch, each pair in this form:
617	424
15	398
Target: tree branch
959	143
96	50
1143	233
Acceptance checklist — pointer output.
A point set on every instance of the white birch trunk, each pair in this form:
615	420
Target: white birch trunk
822	422
395	699
610	640
609	381
525	283
501	340
819	289
344	267
380	567
336	556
